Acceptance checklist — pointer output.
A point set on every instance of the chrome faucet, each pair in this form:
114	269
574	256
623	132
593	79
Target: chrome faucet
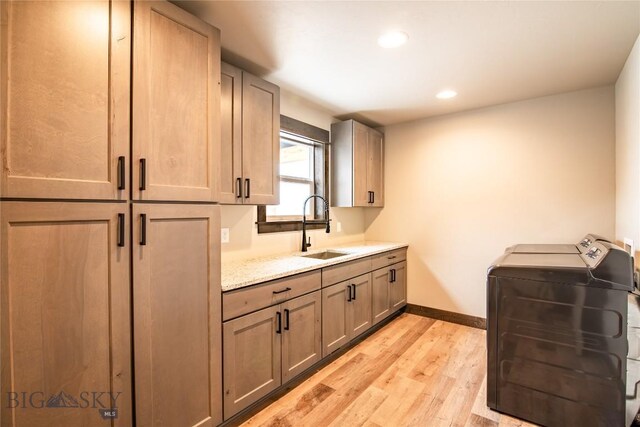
305	243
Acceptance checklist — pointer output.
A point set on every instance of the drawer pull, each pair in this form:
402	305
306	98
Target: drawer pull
391	257
282	291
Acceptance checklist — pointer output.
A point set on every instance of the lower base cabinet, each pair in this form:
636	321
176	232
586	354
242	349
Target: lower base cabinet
381	298
176	313
398	286
346	312
264	348
64	307
267	348
389	290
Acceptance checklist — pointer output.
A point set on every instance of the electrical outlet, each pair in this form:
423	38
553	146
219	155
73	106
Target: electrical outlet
629	246
224	235
339	227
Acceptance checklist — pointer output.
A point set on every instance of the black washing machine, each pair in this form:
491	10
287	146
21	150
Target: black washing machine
557	334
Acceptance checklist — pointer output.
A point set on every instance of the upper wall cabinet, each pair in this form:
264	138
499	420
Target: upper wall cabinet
176	105
357	172
250	155
64	99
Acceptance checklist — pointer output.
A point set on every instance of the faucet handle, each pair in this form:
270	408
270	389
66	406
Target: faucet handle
309	242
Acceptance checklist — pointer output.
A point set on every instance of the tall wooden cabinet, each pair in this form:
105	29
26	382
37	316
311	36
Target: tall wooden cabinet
64	99
176	294
176	104
176	249
70	267
357	172
250	153
64	313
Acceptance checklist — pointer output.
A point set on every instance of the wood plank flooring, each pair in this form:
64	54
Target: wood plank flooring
414	371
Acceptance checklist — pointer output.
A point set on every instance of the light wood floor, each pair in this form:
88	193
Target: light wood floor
414	371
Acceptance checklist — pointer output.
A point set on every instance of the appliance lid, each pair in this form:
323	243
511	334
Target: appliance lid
543	260
544	249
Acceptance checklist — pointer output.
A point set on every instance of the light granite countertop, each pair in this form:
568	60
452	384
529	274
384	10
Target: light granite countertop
238	274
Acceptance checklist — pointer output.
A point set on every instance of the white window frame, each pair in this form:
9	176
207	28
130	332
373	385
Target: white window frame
294	179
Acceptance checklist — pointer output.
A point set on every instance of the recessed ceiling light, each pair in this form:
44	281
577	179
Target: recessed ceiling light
393	39
446	94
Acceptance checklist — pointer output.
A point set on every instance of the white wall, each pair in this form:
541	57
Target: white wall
628	149
245	242
462	187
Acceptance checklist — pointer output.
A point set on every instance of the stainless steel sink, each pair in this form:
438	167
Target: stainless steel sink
325	255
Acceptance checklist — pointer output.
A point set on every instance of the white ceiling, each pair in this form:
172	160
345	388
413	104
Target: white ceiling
489	52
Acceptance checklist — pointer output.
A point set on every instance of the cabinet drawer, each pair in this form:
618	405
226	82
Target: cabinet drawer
243	301
340	272
388	258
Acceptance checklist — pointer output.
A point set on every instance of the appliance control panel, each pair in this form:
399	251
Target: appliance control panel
585	243
610	263
595	255
594	252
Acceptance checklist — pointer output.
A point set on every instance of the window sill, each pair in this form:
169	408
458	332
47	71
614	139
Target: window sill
281	226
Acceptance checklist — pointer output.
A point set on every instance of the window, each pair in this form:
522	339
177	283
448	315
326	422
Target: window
297	172
303	172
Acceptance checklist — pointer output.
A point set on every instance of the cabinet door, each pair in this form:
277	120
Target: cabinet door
375	167
252	358
399	286
260	141
64	98
302	334
177	314
231	184
380	300
65	313
335	322
360	165
176	104
359	313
